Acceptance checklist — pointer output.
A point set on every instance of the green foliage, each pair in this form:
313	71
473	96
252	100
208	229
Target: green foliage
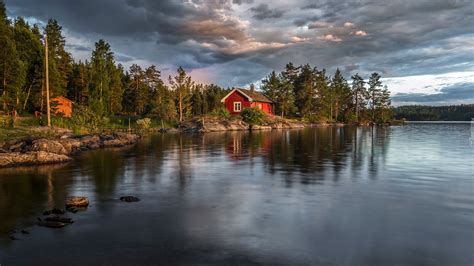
5	121
182	86
253	116
221	112
86	118
143	124
280	90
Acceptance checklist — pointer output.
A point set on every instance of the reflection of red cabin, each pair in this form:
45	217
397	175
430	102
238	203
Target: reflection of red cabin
238	99
62	105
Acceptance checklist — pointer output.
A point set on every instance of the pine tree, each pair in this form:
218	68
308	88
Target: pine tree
138	88
341	91
29	48
182	85
154	83
325	96
102	71
12	69
385	105
116	90
285	96
374	93
305	89
359	95
59	60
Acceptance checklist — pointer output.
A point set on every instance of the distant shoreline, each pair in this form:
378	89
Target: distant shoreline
439	122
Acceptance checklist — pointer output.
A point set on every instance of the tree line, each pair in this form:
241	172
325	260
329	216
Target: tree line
101	85
310	93
463	112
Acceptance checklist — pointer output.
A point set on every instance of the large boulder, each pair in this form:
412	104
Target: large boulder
50	146
119	140
71	145
77	202
31	158
90	142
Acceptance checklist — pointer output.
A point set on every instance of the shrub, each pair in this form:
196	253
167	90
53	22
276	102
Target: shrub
84	117
252	116
5	121
221	112
143	124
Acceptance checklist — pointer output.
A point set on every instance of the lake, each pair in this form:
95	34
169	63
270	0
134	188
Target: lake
401	195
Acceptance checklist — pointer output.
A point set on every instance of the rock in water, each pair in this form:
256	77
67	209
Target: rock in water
51	224
77	202
59	219
129	199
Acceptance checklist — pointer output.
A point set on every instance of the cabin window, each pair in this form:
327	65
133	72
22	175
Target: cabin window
237	106
259	106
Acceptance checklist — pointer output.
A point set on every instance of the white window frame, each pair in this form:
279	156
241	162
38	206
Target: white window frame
259	106
239	104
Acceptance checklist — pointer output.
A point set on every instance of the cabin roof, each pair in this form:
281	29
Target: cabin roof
251	95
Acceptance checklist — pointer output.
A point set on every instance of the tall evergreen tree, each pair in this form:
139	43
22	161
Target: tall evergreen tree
139	89
341	90
305	89
59	59
12	69
29	48
359	95
182	85
374	93
102	70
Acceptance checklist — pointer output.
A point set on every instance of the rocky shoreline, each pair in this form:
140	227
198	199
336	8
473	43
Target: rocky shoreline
48	151
199	125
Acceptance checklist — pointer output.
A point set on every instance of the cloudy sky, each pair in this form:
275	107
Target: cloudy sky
424	49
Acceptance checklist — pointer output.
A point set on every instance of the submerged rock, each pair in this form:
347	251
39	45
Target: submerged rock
54	211
59	219
77	202
129	199
52	224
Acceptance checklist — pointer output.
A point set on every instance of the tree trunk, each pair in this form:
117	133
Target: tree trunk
180	108
28	95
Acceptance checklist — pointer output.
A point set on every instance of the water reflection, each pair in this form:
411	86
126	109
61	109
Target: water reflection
306	156
260	197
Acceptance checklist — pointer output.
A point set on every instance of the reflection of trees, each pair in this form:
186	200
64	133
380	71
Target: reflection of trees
26	192
104	166
313	153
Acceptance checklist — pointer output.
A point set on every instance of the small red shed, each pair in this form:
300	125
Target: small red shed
61	105
238	99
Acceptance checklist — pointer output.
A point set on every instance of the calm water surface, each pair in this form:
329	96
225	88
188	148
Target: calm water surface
324	196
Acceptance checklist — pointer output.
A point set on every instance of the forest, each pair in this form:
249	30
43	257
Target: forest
463	112
104	88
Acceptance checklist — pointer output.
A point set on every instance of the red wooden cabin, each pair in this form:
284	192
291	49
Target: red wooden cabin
238	99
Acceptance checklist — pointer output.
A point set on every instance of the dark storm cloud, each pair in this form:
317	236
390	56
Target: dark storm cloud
262	12
398	37
457	93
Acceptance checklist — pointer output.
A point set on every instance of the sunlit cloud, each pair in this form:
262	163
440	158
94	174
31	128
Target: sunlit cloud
331	38
360	33
348	24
